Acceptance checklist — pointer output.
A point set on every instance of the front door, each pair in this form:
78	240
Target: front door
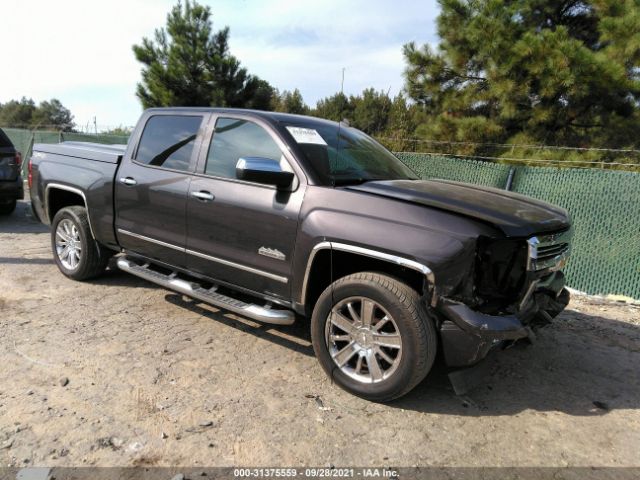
152	186
239	232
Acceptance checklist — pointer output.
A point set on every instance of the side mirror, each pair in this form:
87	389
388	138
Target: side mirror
263	170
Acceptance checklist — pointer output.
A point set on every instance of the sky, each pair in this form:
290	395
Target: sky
79	51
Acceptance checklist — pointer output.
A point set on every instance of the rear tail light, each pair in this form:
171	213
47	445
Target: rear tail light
18	159
30	176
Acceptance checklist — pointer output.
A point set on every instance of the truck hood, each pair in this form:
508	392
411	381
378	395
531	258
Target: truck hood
514	214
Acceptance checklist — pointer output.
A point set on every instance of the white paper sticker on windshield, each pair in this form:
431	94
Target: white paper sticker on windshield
306	135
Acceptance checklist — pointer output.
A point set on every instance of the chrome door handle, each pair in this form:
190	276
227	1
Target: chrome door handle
128	181
203	195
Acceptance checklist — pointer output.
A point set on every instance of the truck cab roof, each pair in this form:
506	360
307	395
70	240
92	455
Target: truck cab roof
272	117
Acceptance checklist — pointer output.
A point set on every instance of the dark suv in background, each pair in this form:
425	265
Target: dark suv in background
11	187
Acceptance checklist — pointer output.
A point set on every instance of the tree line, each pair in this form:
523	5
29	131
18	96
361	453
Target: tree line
47	115
188	63
507	79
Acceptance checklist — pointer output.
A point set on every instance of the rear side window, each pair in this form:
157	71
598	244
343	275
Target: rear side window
167	141
233	139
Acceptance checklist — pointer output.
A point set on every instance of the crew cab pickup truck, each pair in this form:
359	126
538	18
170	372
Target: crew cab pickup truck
280	217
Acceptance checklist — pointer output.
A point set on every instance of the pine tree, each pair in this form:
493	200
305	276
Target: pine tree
401	124
375	113
371	111
289	102
188	64
547	71
337	107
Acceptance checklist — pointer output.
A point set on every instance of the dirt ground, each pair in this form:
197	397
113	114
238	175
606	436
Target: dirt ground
118	372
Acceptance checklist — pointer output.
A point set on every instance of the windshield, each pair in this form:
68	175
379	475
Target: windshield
346	156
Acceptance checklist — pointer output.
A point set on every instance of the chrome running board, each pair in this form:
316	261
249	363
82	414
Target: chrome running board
194	290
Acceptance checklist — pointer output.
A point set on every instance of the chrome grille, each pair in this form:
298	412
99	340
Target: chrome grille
550	251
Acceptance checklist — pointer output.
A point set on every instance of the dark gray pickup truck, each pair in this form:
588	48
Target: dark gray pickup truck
277	217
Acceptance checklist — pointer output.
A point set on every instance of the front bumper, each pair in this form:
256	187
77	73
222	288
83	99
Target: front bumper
467	335
11	190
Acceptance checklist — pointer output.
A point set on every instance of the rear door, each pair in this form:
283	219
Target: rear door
152	185
240	232
9	168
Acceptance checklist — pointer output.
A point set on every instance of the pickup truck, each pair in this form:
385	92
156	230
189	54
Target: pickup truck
279	217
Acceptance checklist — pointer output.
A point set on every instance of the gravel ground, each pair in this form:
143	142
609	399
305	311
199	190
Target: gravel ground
118	372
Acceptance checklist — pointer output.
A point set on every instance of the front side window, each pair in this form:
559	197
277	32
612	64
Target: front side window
167	141
234	139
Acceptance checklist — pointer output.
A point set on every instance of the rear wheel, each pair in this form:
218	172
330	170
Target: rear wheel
8	208
372	336
75	251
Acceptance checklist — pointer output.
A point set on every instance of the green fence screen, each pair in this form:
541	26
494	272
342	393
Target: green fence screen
604	204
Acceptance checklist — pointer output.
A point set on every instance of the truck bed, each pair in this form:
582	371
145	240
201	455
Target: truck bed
86	150
82	168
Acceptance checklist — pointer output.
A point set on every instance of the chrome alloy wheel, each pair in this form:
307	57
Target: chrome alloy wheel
68	244
363	340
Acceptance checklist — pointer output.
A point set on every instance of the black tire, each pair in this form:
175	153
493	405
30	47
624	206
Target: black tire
8	208
93	258
417	331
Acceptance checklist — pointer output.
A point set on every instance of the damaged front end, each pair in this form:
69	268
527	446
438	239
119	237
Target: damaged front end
514	286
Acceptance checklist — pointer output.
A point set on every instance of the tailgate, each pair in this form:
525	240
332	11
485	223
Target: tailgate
9	168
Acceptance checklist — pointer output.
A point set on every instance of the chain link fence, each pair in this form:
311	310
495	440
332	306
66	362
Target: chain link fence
604	204
24	140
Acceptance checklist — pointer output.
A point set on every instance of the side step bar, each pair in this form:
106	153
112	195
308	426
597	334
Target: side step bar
192	289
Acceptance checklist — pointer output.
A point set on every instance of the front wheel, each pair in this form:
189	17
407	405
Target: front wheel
75	251
372	336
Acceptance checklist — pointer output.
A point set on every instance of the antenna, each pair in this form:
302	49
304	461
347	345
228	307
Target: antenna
334	184
342	95
339	124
